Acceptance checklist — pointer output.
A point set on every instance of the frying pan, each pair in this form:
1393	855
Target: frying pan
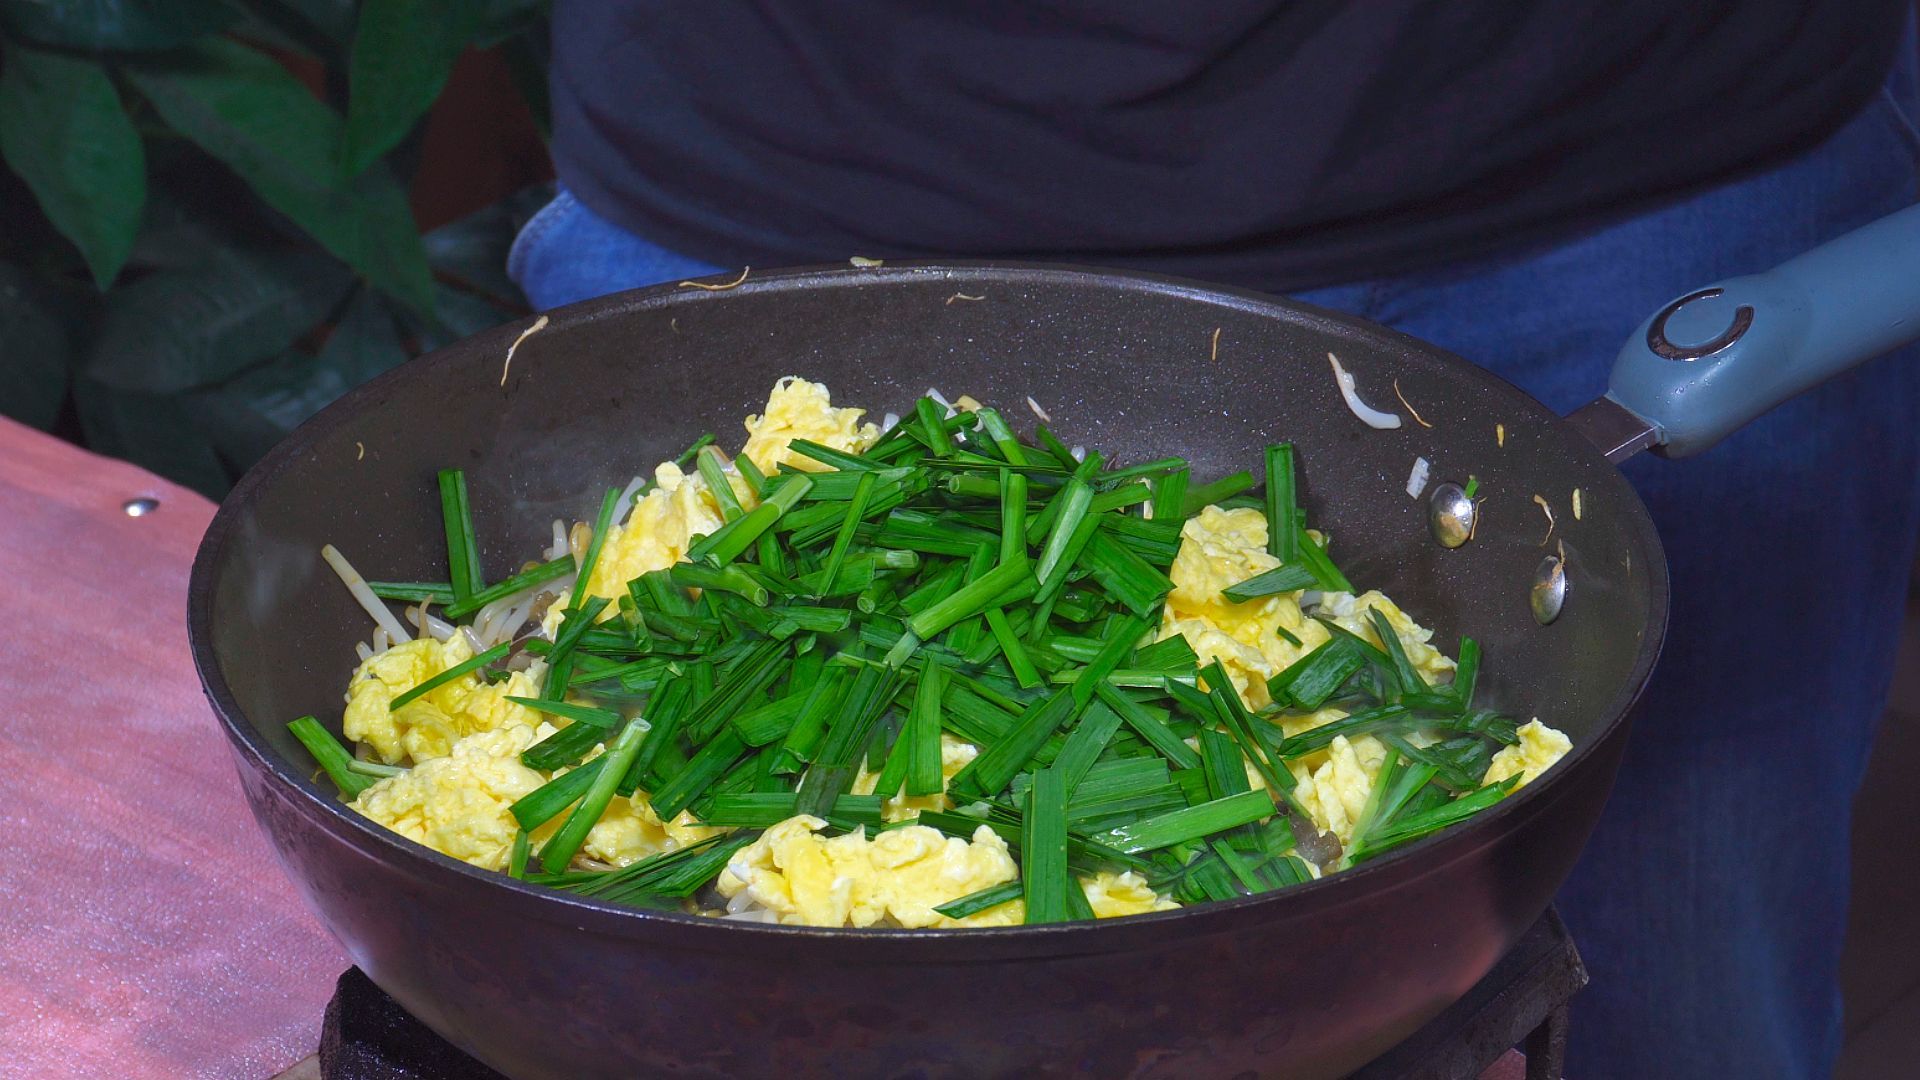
1309	982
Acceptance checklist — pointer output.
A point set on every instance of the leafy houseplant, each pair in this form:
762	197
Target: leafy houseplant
199	247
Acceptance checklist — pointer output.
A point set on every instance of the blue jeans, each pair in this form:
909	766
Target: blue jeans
1711	902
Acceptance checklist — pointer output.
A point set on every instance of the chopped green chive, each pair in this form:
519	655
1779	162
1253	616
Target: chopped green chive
1085	743
526	579
1190	823
1206	495
561	848
414	592
1314	557
1170	495
1126	576
1002	436
827	455
843	540
764	809
464	667
538	806
463	551
583	714
1152	731
591	557
984	900
933	426
1414	826
921	736
990	773
1280	579
517	860
693	448
713	469
1043	850
332	756
732	539
1283	510
1407	675
1309	681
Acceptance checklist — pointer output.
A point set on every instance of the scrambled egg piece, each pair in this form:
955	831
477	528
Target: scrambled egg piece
798	409
630	831
955	754
457	804
1351	612
662	524
1126	893
1539	747
1334	794
428	726
1220	548
656	534
855	880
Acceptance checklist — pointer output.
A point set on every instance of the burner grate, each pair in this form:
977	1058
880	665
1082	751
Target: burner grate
1521	1003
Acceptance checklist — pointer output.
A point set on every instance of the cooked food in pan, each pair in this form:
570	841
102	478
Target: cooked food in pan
928	676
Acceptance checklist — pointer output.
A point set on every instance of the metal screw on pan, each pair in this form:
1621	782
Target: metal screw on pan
1450	515
1548	593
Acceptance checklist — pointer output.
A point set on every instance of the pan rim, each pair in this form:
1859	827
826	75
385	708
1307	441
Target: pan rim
1392	870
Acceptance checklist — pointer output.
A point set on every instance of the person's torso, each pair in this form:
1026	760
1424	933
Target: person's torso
1275	143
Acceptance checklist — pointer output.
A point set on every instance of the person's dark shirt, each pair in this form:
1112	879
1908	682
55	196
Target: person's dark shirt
1278	144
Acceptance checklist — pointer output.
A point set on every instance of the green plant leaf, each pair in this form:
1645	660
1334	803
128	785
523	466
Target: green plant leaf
474	248
62	129
246	110
33	351
403	51
254	410
365	342
528	55
461	314
319	23
506	18
175	330
115	24
154	431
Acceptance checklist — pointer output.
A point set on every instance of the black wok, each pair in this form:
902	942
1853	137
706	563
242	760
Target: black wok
1308	982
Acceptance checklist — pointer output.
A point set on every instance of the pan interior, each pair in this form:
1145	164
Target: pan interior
1124	363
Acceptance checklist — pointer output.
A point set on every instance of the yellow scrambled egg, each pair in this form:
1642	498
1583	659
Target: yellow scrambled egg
457	804
1220	548
1351	613
430	725
657	531
798	409
663	523
1539	747
899	875
1334	793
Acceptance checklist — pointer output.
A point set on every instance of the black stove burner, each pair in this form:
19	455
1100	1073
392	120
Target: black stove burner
1522	1002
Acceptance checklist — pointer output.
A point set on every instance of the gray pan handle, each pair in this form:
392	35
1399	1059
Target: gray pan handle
1716	358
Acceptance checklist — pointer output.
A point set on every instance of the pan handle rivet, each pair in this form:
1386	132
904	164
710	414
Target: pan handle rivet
1450	515
1549	592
